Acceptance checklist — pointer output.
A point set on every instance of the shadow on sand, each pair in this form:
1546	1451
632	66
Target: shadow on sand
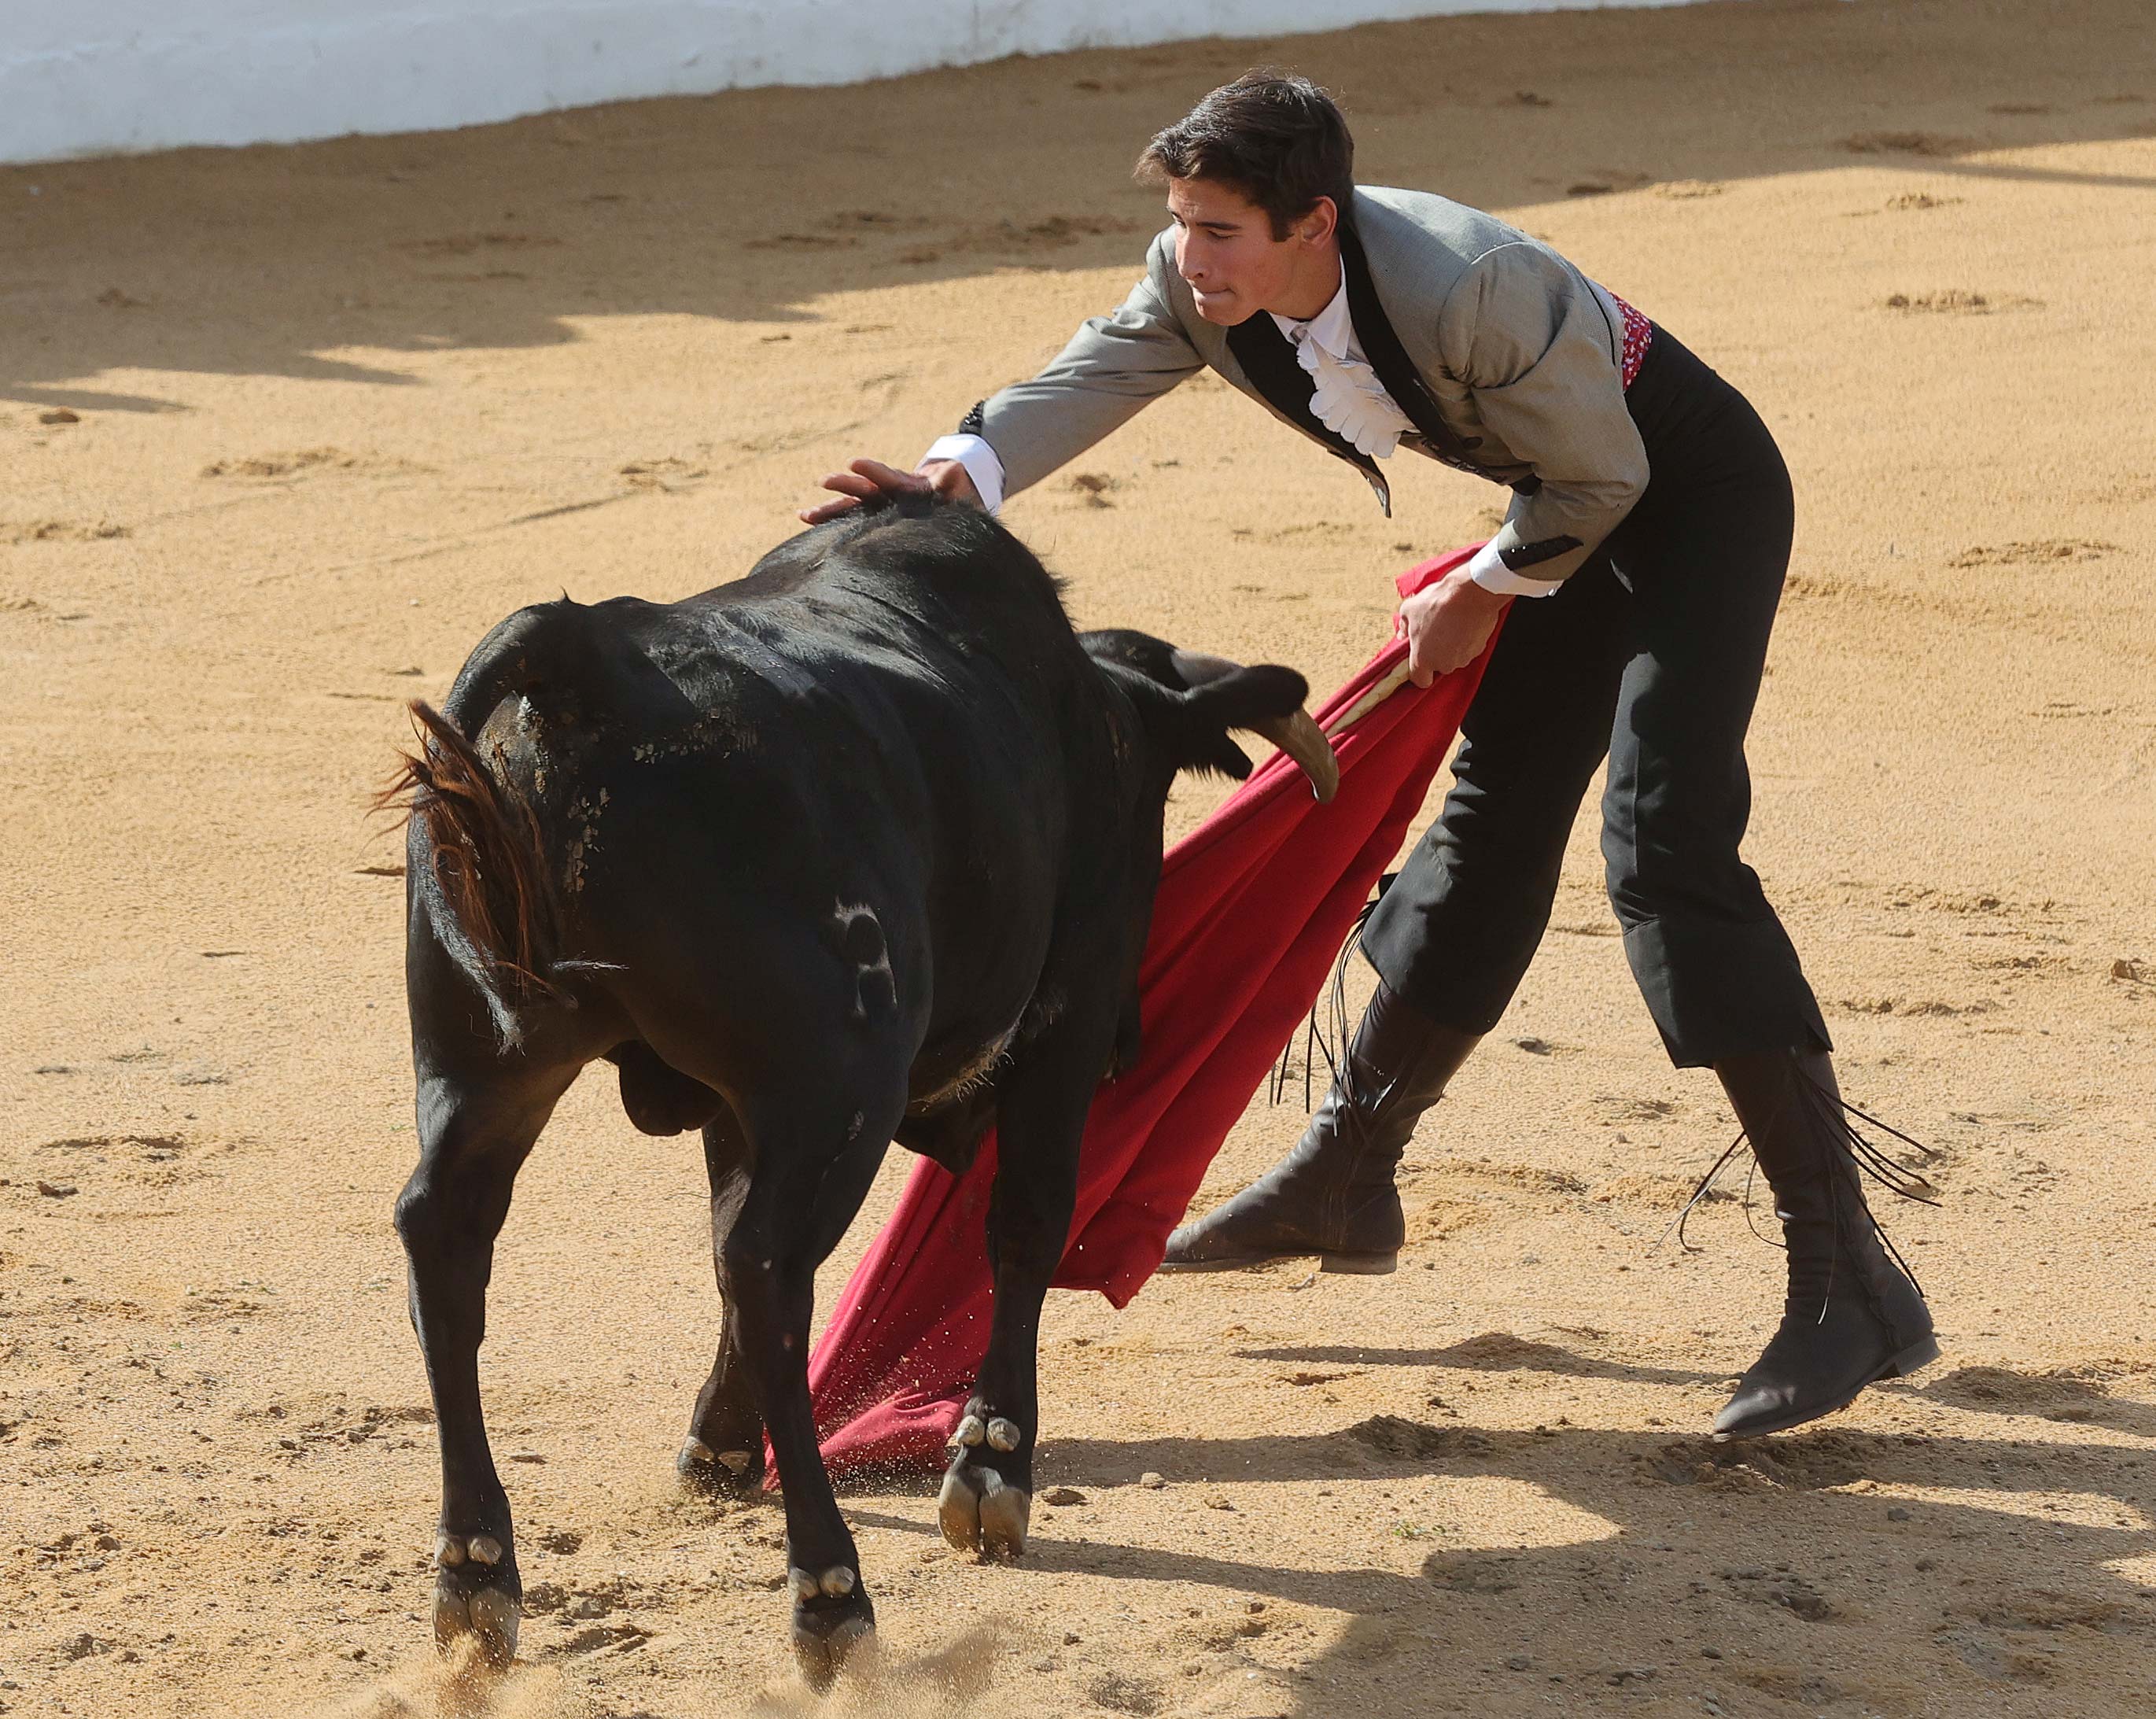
1732	1573
326	261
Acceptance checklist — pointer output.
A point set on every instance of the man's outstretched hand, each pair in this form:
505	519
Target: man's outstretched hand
1447	624
864	479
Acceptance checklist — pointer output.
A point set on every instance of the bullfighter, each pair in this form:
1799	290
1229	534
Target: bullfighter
1642	556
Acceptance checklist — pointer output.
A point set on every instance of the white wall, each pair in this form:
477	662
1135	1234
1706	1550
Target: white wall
101	76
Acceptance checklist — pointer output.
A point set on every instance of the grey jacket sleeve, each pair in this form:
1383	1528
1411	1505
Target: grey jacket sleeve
1112	366
1525	331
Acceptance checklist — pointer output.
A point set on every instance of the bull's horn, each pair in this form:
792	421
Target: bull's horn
1298	735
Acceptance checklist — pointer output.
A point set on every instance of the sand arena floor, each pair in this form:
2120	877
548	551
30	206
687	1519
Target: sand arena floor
332	411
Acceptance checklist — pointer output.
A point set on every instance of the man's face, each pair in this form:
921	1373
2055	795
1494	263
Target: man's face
1225	249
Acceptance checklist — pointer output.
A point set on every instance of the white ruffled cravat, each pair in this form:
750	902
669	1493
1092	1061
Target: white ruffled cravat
1347	399
1352	403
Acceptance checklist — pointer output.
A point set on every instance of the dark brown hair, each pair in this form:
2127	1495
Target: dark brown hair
1278	139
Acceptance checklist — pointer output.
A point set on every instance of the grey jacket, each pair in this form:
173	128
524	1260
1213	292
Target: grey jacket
1506	357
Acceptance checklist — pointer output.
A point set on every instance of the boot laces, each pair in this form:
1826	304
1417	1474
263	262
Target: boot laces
1330	1040
1859	1155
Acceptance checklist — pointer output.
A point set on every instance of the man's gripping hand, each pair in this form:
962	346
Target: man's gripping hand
1447	624
864	479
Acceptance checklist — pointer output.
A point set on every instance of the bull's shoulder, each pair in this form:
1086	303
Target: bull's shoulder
947	561
941	608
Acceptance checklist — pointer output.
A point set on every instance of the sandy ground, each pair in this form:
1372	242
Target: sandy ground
336	409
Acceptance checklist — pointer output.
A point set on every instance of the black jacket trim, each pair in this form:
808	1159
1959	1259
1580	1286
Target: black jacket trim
1373	330
1521	556
1274	370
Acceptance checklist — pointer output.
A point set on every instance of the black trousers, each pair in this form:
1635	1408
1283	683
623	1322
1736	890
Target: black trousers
1650	654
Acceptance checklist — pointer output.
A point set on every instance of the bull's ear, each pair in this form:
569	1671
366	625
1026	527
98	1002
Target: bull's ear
1267	700
1243	697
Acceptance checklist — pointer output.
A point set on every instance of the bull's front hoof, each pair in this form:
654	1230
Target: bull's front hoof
981	1512
719	1474
477	1597
830	1629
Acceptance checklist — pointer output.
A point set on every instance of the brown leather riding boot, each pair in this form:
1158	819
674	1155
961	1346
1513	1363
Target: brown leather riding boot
1853	1316
1333	1195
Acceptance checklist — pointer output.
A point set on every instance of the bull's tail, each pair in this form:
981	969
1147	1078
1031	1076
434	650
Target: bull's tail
487	889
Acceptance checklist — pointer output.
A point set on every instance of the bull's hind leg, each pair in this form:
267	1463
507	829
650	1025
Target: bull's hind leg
474	1136
724	1451
813	1168
987	1500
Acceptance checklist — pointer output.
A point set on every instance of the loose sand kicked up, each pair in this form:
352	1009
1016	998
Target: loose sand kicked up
285	430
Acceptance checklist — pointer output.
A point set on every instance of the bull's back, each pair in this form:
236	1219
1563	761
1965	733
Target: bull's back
896	724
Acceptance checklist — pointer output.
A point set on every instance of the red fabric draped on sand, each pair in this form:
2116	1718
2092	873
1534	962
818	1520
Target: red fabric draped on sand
1253	908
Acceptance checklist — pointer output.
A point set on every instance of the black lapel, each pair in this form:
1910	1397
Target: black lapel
1373	331
1270	363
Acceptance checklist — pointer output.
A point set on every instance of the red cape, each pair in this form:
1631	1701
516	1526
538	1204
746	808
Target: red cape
1253	908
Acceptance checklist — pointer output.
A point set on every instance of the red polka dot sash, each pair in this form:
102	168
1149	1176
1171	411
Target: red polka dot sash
1638	332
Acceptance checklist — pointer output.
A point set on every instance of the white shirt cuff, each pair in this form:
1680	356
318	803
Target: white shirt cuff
1488	570
980	461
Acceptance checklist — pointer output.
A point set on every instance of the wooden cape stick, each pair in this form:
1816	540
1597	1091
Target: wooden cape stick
1378	694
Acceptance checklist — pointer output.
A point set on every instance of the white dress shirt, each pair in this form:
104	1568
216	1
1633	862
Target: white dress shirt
981	465
1347	398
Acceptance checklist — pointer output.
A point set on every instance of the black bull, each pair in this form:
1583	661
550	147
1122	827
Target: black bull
863	846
